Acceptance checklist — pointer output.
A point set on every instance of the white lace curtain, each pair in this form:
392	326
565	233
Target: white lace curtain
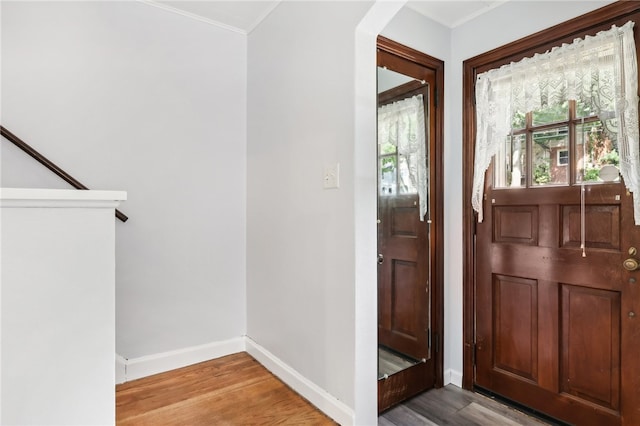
599	71
402	124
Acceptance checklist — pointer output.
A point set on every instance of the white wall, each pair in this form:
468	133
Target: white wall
58	307
127	96
300	251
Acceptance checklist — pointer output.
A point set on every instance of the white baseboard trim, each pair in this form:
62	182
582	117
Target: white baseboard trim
452	377
136	368
324	401
121	369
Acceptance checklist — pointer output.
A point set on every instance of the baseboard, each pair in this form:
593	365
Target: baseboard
121	369
324	401
452	377
136	368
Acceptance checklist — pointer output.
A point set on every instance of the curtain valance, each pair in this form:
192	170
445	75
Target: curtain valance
599	71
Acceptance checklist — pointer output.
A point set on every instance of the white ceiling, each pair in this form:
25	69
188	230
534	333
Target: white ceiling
452	13
243	16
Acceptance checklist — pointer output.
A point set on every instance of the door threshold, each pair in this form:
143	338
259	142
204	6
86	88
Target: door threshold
520	407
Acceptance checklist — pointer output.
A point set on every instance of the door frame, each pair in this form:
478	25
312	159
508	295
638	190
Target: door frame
436	177
592	22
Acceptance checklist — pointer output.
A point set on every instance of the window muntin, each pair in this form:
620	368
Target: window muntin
537	154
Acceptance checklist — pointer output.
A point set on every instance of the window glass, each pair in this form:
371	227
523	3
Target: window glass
596	153
546	168
510	163
388	172
584	110
519	120
554	114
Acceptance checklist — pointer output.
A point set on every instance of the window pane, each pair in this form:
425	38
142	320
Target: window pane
550	115
510	161
388	173
584	109
519	120
597	153
387	148
550	157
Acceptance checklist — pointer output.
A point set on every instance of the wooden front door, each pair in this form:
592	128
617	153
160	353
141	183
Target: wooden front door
410	249
558	331
547	324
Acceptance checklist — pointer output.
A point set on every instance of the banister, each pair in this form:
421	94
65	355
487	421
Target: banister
49	164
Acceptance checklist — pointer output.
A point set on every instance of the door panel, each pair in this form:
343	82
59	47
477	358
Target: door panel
551	322
516	326
403	277
591	360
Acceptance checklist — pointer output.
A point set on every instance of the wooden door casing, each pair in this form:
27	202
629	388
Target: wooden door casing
424	237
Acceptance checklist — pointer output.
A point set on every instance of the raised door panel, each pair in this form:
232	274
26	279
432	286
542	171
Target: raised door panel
591	345
516	225
601	225
515	330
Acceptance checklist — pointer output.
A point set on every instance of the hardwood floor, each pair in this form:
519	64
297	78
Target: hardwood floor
451	405
237	390
233	390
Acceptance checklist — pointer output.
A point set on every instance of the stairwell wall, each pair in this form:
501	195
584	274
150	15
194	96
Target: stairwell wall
130	97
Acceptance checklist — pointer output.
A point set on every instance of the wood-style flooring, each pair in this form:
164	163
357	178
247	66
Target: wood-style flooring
233	390
451	405
237	390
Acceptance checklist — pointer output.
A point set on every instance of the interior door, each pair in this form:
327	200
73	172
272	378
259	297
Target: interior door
403	276
409	249
556	311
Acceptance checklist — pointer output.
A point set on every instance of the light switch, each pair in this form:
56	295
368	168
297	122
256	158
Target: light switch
331	176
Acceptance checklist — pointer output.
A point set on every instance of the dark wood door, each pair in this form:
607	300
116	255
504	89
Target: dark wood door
403	277
410	249
558	330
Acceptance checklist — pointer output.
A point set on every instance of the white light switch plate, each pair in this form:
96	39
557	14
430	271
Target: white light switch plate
331	176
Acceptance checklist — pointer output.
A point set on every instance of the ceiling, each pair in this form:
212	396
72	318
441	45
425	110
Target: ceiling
244	16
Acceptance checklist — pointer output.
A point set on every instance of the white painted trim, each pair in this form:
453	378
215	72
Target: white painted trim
452	377
41	194
366	305
323	400
136	368
121	369
194	16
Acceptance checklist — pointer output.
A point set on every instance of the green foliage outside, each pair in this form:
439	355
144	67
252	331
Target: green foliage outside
541	174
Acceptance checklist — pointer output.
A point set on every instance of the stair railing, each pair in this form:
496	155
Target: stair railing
49	164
